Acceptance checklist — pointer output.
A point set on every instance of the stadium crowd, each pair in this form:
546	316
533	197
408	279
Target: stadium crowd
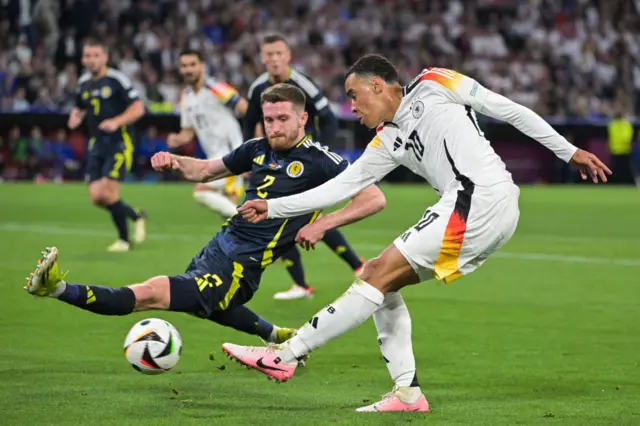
563	58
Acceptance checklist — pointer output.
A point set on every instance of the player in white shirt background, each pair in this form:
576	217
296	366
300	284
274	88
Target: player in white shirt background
430	127
208	109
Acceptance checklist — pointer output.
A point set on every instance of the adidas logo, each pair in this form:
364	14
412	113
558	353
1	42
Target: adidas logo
397	144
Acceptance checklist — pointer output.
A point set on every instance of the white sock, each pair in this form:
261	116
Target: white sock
216	202
349	311
393	323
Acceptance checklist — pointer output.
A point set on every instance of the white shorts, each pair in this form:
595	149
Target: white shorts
457	234
232	185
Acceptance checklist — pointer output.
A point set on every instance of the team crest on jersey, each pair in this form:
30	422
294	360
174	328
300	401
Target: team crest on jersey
417	109
295	169
85	95
105	92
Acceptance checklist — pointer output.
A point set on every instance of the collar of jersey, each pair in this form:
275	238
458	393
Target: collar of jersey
285	152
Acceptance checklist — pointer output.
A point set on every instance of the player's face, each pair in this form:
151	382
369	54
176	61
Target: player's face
191	68
283	124
276	57
366	102
94	58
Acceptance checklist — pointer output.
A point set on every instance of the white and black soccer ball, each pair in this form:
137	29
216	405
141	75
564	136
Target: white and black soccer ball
153	346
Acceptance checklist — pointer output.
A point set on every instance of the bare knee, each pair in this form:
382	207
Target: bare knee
104	192
389	272
152	294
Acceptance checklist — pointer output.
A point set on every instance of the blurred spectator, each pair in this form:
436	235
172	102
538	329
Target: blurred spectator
63	160
562	58
150	144
20	102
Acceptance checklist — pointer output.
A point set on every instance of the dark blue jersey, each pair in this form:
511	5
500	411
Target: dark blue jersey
104	98
274	174
322	123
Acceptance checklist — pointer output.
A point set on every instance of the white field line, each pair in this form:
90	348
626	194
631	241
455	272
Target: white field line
87	232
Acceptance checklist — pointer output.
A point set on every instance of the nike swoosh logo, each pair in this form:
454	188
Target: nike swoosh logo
260	364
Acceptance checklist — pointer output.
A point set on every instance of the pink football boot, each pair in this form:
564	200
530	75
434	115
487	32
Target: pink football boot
391	402
263	359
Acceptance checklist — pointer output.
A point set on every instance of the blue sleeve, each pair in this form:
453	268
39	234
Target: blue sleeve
240	160
126	92
327	121
253	115
79	102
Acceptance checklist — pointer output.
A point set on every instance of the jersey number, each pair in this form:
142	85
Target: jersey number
415	144
427	219
268	181
201	121
95	102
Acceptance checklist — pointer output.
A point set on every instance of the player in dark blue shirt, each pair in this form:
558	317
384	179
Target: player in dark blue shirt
106	98
322	125
226	273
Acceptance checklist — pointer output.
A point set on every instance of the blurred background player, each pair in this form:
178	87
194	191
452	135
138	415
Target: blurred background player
107	99
322	125
208	109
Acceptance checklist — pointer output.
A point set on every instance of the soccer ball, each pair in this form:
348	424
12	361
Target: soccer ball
153	346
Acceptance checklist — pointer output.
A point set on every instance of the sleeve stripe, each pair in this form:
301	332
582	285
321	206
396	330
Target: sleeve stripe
322	103
260	80
120	76
83	78
332	155
305	84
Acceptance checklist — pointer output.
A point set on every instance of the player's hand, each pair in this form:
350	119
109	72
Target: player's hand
74	121
109	126
164	162
589	164
309	235
173	140
254	210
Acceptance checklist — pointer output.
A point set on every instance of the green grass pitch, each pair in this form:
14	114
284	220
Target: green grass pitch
546	332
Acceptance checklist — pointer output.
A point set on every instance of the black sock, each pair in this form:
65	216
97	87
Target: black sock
100	300
414	382
119	216
336	241
243	319
131	213
293	261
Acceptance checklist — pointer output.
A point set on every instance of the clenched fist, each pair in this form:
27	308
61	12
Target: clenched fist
164	162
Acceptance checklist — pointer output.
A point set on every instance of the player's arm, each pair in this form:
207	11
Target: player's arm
373	165
186	133
135	108
130	115
79	111
252	117
327	121
318	105
467	91
184	136
192	169
75	117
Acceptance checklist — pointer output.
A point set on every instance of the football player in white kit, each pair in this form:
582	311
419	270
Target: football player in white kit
208	109
430	127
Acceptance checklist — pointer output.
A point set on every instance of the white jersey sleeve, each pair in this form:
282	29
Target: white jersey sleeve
374	164
185	119
467	91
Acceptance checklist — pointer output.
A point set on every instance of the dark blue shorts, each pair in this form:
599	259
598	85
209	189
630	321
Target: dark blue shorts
213	282
109	158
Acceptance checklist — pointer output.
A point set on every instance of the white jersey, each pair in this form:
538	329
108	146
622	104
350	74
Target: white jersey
434	134
210	113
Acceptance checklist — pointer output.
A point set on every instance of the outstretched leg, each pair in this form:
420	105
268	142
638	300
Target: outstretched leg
154	294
